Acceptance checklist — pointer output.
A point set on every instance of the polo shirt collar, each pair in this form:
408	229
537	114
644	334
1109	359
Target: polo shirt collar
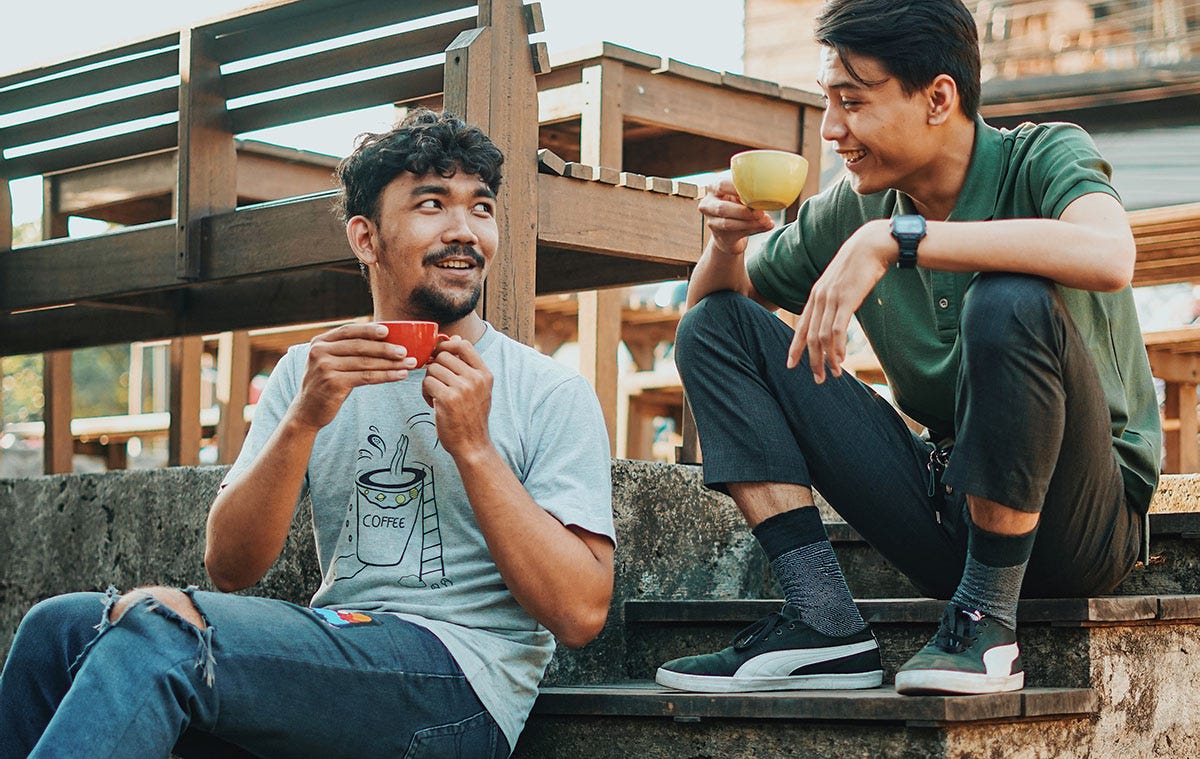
977	201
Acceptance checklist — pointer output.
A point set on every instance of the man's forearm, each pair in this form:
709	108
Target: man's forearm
718	270
562	579
250	518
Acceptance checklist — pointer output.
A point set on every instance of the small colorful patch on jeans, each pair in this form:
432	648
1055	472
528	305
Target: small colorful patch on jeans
337	618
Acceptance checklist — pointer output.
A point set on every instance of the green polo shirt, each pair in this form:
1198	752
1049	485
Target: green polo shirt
912	316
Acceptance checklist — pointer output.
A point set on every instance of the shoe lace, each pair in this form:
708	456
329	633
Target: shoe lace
758	631
957	631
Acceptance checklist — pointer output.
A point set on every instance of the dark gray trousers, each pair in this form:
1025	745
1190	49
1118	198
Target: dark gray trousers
1032	432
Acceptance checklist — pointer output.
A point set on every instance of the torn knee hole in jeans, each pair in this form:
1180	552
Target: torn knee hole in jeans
205	660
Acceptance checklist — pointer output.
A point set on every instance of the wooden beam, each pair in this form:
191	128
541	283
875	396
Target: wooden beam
246	34
490	83
143	105
183	439
6	220
617	221
124	145
278	236
1182	451
287	298
207	182
62	271
58	445
393	48
601	143
146	67
233	392
337	99
695	107
599	336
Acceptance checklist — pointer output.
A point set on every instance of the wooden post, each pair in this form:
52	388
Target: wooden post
207	184
57	389
207	180
489	82
183	438
599	335
601	143
58	444
1183	453
233	392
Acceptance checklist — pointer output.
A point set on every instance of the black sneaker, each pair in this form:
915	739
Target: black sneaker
780	653
971	653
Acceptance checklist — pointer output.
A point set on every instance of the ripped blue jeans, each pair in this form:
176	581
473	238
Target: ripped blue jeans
264	678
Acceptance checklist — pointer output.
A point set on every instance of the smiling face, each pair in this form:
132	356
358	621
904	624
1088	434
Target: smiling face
430	252
883	134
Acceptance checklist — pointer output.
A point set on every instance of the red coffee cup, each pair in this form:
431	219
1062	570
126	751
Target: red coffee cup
420	339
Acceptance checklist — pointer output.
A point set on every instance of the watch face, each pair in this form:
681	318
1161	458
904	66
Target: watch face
907	225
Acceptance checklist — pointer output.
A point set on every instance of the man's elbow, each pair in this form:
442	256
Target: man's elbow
222	577
584	626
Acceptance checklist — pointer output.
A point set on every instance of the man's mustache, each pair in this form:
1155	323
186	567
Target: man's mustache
453	251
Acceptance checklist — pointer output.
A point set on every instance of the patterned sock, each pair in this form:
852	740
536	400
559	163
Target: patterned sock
808	572
995	568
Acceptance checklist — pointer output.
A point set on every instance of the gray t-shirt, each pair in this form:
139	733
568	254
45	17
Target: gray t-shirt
394	529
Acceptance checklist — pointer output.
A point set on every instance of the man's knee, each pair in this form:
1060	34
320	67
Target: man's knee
999	308
172	598
72	614
717	314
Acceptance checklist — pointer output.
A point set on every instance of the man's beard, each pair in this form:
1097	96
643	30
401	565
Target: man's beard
437	306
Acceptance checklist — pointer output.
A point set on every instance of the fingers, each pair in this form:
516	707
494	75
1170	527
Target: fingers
821	330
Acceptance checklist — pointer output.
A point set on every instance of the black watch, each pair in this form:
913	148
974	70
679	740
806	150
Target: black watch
908	229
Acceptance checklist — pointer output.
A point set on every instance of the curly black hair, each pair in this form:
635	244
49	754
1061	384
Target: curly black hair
424	142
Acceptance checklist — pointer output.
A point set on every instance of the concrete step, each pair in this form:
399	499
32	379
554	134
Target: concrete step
639	718
1060	638
1174	565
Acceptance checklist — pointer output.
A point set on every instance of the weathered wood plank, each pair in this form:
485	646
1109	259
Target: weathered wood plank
145	105
284	298
599	218
147	66
183	436
408	45
699	108
337	99
207	165
274	237
123	145
233	392
61	271
246	35
58	449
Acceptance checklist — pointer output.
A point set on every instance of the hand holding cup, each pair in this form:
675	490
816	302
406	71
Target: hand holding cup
768	180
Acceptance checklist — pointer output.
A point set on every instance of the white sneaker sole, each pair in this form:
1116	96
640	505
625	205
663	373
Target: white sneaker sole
936	681
716	684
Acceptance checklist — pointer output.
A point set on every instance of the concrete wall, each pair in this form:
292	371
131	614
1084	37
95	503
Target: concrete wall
65	533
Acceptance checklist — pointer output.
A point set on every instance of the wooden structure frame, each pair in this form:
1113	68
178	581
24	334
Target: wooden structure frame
227	278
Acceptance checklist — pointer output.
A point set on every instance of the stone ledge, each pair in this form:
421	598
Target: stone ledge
646	699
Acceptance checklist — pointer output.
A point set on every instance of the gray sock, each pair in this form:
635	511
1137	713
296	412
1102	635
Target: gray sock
991	581
808	572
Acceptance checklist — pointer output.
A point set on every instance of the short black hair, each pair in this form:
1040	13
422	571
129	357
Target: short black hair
425	142
915	41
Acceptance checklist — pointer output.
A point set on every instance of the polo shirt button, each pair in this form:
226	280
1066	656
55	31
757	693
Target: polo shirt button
943	303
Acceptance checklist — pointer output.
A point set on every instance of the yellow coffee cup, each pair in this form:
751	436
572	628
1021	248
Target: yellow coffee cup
768	180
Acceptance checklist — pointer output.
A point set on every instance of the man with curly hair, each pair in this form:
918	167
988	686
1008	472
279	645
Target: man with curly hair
462	515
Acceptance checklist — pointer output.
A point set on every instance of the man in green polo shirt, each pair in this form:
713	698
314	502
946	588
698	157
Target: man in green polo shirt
990	270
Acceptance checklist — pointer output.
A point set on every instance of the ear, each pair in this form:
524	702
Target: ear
361	233
942	99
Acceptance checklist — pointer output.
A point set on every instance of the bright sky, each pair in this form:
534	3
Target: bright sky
51	31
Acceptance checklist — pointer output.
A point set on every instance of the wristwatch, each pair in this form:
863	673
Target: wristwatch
908	229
